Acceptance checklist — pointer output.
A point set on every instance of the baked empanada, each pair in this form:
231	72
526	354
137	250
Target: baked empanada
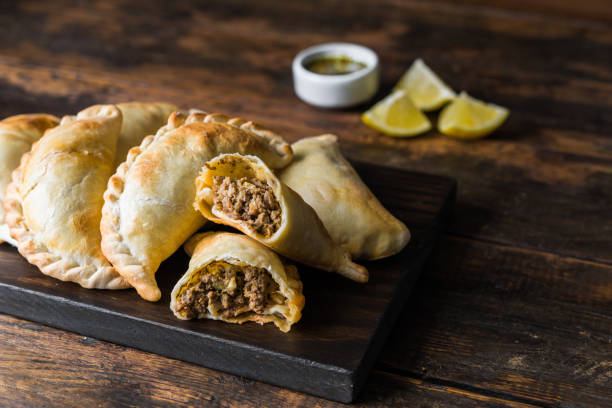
148	211
54	202
234	278
17	133
242	192
140	119
353	216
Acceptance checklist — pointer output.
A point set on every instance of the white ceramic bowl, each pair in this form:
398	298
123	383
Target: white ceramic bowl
336	91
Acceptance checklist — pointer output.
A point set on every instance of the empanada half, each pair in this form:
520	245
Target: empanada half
148	210
351	213
17	133
54	202
242	192
234	278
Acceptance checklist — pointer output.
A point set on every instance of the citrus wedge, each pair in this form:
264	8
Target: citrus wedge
469	118
427	90
396	115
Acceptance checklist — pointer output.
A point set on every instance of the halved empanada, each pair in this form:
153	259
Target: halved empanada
242	192
54	202
17	133
234	278
148	211
352	215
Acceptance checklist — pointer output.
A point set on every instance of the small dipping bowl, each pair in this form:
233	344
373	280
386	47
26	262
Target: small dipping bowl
336	90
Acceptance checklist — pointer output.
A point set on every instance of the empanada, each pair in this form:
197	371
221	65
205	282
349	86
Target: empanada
148	211
242	192
351	213
140	119
54	202
17	133
234	278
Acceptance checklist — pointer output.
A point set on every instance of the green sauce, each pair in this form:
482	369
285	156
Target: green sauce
332	65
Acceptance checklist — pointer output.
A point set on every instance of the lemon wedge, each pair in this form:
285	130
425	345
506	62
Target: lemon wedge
427	90
396	115
469	118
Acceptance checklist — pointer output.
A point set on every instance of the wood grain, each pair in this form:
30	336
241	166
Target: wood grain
521	322
329	353
62	363
516	302
593	9
558	87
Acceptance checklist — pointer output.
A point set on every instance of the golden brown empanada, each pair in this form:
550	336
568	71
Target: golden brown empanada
17	133
148	211
54	202
353	216
242	192
234	278
140	119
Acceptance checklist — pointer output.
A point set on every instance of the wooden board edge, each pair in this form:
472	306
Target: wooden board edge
302	375
290	372
399	298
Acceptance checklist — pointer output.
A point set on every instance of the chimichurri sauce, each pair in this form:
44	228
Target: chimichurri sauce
332	65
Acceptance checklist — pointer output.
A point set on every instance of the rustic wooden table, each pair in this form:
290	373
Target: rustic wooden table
515	307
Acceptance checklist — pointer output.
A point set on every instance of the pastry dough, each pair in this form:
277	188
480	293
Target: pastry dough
351	213
53	204
242	192
148	211
140	119
17	133
234	278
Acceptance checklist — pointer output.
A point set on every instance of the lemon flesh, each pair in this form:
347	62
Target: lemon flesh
426	89
469	118
396	115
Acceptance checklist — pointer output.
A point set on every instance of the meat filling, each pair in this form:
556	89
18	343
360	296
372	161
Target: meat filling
229	290
249	200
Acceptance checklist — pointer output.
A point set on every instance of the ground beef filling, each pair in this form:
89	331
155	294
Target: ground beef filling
249	200
229	290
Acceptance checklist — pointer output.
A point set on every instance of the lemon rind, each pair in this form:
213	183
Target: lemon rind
395	131
473	132
445	95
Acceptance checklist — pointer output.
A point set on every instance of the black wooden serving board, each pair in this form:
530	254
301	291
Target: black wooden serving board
329	353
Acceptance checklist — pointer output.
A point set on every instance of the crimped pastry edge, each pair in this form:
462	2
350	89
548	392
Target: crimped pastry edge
37	253
113	246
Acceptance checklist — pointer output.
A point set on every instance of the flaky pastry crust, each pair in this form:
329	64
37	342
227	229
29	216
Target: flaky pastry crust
148	212
239	249
53	204
17	133
350	212
301	235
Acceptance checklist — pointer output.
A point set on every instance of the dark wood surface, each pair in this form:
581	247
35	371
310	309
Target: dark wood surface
514	308
329	353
